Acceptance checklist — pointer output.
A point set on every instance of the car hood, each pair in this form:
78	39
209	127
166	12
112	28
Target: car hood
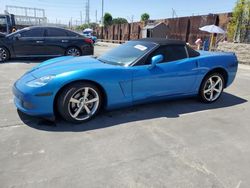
67	64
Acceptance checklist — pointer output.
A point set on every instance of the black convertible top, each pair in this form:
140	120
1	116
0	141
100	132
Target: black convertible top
162	41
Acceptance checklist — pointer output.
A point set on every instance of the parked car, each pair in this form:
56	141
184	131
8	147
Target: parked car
138	71
44	42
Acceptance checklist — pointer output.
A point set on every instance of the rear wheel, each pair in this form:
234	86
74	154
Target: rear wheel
212	88
79	102
73	51
4	54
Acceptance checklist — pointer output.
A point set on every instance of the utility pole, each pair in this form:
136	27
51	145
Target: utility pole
131	18
81	16
87	12
174	15
96	16
102	12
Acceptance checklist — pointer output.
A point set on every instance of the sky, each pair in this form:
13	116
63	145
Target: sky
63	10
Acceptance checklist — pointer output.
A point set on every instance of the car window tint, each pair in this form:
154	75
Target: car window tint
174	53
52	32
170	53
191	52
33	33
72	34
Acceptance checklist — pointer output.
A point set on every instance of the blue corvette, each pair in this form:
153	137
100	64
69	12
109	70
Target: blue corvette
136	72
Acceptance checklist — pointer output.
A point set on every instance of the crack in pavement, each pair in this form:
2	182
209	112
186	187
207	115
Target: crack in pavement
12	125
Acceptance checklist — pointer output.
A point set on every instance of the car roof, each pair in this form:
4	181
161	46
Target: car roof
32	27
46	27
162	41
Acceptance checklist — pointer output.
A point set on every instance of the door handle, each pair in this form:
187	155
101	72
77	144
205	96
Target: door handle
39	41
65	41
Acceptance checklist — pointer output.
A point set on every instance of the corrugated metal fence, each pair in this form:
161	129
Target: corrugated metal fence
184	28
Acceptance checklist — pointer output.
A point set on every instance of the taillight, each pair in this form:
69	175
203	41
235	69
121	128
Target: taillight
88	40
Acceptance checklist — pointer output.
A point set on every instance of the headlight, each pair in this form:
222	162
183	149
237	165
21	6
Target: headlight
39	82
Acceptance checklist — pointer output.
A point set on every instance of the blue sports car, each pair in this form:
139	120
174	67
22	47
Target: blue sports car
136	72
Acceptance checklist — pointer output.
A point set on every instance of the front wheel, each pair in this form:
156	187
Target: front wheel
79	102
212	88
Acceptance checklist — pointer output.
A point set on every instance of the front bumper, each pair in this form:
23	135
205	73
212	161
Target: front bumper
32	103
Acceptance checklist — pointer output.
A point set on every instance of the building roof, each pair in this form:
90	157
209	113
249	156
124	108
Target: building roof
152	25
162	41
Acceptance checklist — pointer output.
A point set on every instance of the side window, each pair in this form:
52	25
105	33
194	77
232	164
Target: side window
72	34
191	52
175	52
33	33
169	52
147	60
52	32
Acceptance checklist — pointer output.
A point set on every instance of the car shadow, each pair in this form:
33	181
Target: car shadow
167	109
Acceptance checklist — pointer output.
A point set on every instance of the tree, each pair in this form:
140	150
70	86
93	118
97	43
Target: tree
119	21
82	27
93	25
237	28
85	26
107	19
145	17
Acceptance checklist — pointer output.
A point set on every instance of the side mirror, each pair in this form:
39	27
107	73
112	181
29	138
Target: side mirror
156	59
17	36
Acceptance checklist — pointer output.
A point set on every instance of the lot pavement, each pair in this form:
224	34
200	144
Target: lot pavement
180	143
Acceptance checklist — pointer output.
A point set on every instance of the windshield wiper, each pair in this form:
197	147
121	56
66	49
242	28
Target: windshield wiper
110	62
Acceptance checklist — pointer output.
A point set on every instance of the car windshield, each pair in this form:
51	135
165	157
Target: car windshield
127	53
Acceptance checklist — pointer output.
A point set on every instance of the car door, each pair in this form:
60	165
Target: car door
56	41
29	42
176	75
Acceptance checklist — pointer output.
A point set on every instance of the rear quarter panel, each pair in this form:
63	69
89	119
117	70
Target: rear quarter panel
209	61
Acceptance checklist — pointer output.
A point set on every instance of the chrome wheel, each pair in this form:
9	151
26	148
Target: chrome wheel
3	54
83	104
73	52
213	88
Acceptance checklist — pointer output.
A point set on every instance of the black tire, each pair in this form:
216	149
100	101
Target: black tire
215	91
4	54
73	51
76	92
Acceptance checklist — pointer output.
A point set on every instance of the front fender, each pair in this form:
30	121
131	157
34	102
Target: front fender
117	85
